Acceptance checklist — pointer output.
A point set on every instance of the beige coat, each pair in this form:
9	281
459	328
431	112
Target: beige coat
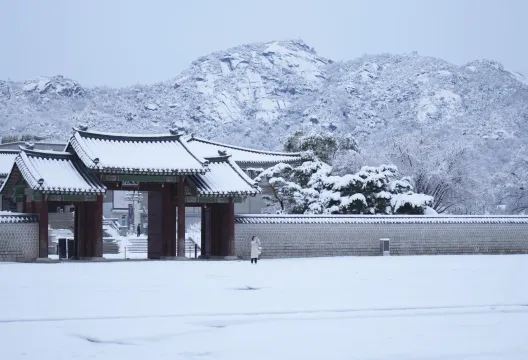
255	248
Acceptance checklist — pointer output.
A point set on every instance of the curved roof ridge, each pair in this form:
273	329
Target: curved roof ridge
27	169
267	152
123	136
46	153
241	173
204	161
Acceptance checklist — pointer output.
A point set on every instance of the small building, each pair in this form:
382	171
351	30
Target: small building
165	166
116	204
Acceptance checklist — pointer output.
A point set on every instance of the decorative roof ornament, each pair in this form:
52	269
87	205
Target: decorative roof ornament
222	152
40	181
174	131
83	127
29	145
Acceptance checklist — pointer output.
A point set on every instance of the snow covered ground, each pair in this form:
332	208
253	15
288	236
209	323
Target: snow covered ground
442	307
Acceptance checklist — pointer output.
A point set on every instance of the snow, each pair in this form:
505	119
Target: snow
7	217
225	178
7	160
206	86
347	200
432	218
128	152
303	64
151	106
57	172
437	307
448	97
519	77
207	148
425	108
412	199
445	73
377	111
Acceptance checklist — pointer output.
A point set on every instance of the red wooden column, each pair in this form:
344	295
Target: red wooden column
42	210
168	225
155	223
76	231
206	232
98	228
230	227
82	230
181	217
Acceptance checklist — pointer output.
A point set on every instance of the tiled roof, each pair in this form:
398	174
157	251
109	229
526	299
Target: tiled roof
56	173
241	155
225	179
13	218
7	159
377	219
136	154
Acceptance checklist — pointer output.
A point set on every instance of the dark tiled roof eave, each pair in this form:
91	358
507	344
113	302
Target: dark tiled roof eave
16	218
376	219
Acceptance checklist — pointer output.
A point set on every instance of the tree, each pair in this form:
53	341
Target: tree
374	190
324	146
291	187
442	173
311	188
513	190
9	139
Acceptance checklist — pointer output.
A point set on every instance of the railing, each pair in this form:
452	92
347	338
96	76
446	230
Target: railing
140	246
112	222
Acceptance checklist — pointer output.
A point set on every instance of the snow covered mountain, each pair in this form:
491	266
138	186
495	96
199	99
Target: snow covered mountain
257	94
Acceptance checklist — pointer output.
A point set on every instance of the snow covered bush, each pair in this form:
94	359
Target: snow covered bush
312	189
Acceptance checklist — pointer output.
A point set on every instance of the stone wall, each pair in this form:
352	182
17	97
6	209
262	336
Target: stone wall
19	235
308	236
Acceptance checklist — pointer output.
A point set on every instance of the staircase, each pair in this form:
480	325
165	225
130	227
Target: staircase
140	245
110	244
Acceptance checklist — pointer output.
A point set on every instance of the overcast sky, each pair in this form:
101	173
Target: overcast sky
124	42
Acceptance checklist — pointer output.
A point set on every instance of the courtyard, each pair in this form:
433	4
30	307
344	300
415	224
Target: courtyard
421	307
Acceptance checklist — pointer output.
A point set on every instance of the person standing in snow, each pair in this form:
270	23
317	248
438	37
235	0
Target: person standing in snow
255	249
138	230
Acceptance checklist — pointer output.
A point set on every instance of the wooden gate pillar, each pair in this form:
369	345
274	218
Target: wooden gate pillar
181	217
76	231
42	210
98	228
206	232
168	226
229	219
155	214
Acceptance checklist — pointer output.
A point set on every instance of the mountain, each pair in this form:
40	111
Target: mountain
256	94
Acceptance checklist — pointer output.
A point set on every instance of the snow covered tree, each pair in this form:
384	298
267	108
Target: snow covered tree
292	188
441	172
512	187
324	145
373	190
310	188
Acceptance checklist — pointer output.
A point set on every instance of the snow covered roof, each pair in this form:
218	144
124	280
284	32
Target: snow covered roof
7	159
136	154
226	178
377	219
7	217
55	172
240	155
